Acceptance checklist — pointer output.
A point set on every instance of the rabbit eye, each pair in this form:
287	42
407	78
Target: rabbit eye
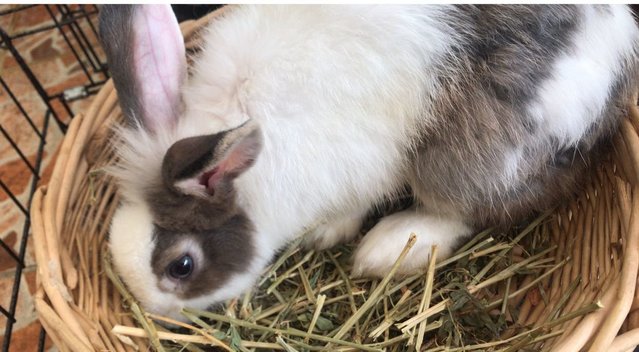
181	268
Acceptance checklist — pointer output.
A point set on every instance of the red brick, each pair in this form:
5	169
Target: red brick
32	18
30	277
17	176
26	339
47	170
25	311
11	218
7	262
44	51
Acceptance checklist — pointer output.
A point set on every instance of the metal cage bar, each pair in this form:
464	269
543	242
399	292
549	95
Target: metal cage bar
65	21
23	241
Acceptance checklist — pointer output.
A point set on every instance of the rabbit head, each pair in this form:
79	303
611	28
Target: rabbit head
179	238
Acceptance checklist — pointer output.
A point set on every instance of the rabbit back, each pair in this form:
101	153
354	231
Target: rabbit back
528	101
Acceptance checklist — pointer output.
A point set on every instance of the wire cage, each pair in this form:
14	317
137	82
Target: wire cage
50	63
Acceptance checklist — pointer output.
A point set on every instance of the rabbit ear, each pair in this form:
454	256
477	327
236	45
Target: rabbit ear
205	164
146	56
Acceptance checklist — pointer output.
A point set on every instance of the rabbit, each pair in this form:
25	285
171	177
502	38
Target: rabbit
296	119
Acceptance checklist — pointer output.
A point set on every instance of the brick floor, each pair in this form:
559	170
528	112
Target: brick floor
56	68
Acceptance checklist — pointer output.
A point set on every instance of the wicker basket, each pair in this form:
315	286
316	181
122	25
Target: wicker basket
78	305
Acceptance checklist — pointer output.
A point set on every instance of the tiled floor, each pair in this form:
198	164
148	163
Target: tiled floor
55	66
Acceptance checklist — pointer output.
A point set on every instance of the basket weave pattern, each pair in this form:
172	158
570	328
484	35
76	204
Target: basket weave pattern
78	306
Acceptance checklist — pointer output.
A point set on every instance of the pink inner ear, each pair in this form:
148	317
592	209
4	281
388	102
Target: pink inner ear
210	179
160	62
236	161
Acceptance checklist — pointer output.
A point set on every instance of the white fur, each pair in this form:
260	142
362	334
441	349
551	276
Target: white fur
571	101
339	94
329	162
338	229
131	231
511	165
356	153
383	244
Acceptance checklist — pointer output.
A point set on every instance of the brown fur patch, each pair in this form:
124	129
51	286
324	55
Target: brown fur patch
178	209
226	249
220	228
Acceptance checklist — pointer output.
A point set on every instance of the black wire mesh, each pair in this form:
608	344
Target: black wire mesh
27	118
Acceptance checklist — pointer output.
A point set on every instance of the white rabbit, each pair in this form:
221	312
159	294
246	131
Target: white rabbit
294	115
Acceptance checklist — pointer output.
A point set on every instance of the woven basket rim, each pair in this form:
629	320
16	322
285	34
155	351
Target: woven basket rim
69	330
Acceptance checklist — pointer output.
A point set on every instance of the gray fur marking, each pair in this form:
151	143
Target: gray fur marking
482	116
